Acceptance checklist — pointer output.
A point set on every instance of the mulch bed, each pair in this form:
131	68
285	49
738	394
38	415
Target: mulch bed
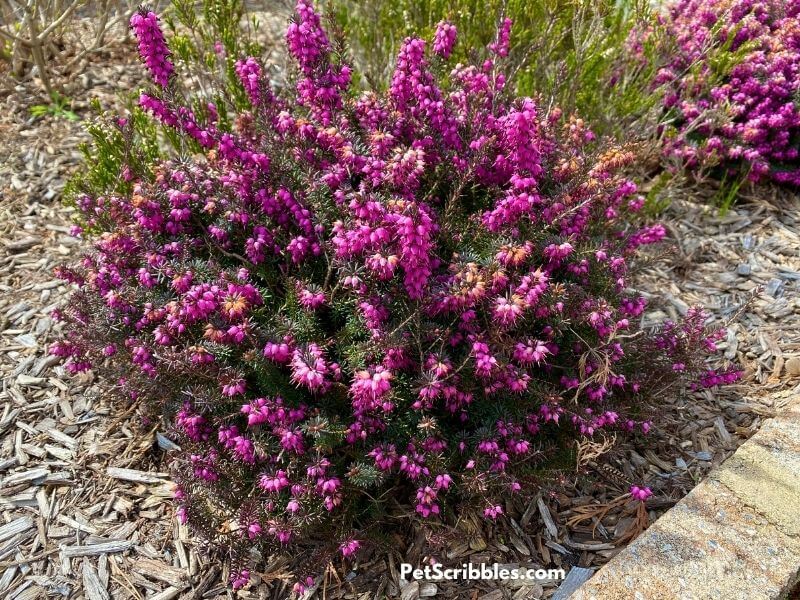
84	497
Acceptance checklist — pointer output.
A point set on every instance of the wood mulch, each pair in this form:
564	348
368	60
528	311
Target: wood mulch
84	497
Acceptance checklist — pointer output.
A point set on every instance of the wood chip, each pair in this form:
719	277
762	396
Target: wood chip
22	244
155	569
137	476
168	594
95	549
547	518
15	527
724	435
30	476
92	587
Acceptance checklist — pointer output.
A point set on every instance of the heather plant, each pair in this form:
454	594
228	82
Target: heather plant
350	301
118	146
732	87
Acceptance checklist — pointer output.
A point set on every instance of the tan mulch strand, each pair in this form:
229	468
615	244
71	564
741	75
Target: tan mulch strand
84	497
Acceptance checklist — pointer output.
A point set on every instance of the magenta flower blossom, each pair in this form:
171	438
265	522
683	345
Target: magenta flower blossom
640	493
444	39
300	587
275	482
492	512
307	41
310	299
240	579
426	501
501	45
250	74
253	530
370	390
310	369
349	547
152	46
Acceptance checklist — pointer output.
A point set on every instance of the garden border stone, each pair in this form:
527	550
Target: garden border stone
735	536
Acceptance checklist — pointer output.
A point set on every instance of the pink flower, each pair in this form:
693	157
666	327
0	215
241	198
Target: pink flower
310	299
640	493
253	530
240	579
309	368
426	501
506	311
349	547
370	390
274	482
501	45
152	46
492	512
249	72
444	39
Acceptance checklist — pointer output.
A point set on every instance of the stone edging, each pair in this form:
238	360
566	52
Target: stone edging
735	536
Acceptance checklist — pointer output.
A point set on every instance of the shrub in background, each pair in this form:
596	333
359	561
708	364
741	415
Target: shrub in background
350	298
732	86
56	37
570	53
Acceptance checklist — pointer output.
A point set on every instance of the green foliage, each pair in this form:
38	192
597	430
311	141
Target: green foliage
208	41
267	376
365	475
728	192
60	107
657	199
6	49
723	58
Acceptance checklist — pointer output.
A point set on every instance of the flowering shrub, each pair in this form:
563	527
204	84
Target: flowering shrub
349	297
733	84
